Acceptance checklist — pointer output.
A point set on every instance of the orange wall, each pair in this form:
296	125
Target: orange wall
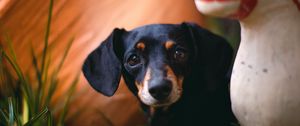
89	21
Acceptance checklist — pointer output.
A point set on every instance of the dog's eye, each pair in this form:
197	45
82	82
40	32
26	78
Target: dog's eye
133	60
179	54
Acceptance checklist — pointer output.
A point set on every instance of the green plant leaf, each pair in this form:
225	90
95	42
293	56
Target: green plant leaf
47	35
3	116
39	78
10	112
50	119
52	87
14	65
54	79
45	51
46	84
37	117
24	107
67	100
25	113
69	45
16	111
10	47
28	94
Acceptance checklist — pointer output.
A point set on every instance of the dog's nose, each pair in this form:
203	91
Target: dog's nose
160	90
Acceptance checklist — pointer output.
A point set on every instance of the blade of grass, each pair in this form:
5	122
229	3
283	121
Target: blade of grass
10	112
16	69
50	119
28	93
37	117
38	94
1	54
54	81
4	116
16	111
25	113
69	45
48	62
67	101
30	98
14	65
45	73
47	35
47	65
79	110
10	47
46	85
1	72
19	73
25	86
53	86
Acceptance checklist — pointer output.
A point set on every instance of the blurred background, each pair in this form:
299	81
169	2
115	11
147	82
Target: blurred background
89	22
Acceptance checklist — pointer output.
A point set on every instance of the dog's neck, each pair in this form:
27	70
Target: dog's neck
158	116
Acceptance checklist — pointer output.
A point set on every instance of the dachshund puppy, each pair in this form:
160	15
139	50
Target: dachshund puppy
178	71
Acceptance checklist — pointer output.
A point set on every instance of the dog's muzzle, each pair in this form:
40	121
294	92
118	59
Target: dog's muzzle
159	90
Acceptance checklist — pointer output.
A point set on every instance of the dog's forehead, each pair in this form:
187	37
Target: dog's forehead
153	33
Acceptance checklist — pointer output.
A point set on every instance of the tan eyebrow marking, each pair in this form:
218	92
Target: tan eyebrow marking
169	44
140	45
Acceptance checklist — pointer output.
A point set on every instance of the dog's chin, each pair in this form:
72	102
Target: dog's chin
161	104
157	103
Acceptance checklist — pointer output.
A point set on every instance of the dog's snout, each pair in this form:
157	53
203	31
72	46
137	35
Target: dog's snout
160	90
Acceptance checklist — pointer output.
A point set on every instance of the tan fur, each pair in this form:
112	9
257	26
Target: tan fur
139	85
172	77
141	45
144	82
175	94
169	44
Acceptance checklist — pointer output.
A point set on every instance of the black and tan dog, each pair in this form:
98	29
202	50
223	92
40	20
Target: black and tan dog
177	71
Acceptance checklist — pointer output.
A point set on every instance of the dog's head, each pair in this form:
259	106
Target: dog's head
155	60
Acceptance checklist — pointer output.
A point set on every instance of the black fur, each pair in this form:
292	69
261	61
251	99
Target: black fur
205	99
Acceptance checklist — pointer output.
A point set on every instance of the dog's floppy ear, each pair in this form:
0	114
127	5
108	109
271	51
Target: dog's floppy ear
102	68
210	68
212	51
